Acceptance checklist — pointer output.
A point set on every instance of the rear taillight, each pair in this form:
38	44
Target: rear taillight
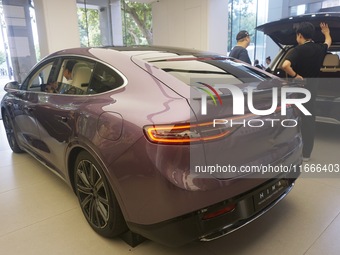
278	109
214	214
187	133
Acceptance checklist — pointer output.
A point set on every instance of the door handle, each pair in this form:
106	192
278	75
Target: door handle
28	109
62	118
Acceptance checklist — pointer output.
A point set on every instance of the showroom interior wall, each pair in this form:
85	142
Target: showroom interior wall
57	25
197	24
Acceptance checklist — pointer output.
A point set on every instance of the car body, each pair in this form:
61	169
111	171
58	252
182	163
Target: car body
282	32
128	139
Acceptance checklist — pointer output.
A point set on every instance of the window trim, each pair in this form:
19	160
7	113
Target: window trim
60	59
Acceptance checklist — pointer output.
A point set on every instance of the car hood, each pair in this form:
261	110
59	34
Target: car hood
282	32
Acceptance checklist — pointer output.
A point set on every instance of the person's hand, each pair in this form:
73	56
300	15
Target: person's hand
52	87
324	28
298	77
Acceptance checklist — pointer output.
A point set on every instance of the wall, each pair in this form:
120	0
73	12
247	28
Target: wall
196	24
57	25
218	26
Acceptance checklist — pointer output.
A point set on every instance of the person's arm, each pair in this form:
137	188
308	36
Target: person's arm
325	30
287	67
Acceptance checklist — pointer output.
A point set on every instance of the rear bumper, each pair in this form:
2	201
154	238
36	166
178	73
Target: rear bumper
232	227
192	226
327	110
328	120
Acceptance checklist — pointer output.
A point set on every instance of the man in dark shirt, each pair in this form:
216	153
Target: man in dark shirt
304	64
240	50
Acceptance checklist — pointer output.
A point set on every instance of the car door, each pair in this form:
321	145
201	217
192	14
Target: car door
25	103
57	113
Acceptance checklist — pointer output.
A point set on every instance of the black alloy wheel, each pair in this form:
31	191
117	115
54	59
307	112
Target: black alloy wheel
97	201
12	140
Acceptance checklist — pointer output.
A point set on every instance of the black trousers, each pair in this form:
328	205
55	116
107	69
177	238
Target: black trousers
308	122
308	134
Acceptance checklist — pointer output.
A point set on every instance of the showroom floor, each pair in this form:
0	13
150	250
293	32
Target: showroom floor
40	215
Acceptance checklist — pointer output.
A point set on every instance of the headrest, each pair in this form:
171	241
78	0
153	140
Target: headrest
81	76
331	60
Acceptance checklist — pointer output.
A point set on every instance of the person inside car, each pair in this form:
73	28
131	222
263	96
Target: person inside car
67	73
54	87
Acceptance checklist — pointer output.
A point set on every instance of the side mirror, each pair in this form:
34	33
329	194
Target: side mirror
13	85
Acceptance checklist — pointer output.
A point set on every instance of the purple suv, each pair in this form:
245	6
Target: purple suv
162	142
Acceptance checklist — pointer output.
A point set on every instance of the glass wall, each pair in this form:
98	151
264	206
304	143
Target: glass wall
318	6
135	22
330	3
5	63
18	40
101	23
246	15
89	22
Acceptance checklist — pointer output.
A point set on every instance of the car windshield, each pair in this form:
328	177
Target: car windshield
223	69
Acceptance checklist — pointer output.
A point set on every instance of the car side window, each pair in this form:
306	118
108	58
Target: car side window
104	79
42	77
74	77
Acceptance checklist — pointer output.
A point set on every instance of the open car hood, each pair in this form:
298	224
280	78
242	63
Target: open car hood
282	31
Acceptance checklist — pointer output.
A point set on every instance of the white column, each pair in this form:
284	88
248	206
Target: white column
197	24
116	23
57	24
180	23
218	26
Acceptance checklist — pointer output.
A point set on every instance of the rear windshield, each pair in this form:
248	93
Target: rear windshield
223	69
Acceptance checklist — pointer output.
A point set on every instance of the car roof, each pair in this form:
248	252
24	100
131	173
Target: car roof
150	48
146	50
283	33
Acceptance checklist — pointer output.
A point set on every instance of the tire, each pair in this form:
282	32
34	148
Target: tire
11	138
97	201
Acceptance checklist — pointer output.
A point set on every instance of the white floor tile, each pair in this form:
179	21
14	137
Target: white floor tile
328	243
66	233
